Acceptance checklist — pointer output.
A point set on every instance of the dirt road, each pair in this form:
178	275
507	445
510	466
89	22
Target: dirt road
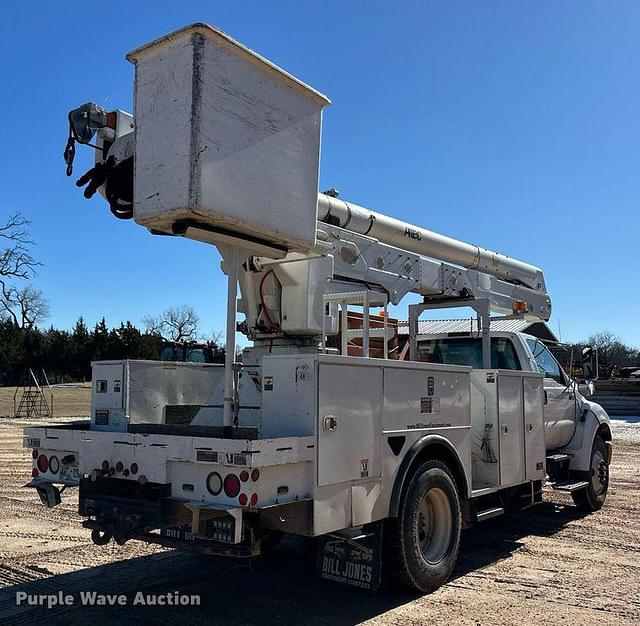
549	565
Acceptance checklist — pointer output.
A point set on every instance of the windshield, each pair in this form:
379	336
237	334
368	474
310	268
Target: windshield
468	351
196	355
171	353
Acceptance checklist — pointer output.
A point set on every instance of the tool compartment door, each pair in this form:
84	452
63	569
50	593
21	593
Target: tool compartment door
535	449
511	427
349	424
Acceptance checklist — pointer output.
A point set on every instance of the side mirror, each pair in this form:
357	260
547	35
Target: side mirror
590	363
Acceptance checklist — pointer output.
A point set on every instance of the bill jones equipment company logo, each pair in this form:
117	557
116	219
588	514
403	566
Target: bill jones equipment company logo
92	598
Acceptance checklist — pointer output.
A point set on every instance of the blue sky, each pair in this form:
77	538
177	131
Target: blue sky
513	125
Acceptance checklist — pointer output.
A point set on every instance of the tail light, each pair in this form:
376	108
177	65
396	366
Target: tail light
214	483
254	499
244	476
42	463
134	468
255	474
54	464
243	499
231	485
34	473
34	454
119	467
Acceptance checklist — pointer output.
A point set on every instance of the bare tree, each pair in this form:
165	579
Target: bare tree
152	324
216	336
612	352
25	306
15	259
177	324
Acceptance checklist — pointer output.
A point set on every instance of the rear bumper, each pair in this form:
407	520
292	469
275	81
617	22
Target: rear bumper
127	510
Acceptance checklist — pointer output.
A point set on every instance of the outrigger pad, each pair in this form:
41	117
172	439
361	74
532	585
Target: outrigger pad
356	561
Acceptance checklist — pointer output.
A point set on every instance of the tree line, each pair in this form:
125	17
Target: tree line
66	355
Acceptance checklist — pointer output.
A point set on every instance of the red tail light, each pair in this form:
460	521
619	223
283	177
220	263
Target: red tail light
34	454
231	485
105	465
134	468
243	499
119	467
255	474
34	473
254	499
42	463
244	476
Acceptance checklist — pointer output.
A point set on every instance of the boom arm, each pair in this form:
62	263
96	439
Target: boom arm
357	249
425	242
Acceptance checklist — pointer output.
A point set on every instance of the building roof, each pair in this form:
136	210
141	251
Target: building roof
442	327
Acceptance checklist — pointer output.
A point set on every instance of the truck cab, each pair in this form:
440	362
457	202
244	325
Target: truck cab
565	406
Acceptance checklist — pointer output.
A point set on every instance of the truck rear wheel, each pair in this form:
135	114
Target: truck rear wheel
421	545
593	496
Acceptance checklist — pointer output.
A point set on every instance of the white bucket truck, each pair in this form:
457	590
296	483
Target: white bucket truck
384	459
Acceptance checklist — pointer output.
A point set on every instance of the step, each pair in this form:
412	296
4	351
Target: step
483	516
479	491
570	487
557	458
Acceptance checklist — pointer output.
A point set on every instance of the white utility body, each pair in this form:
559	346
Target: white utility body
299	435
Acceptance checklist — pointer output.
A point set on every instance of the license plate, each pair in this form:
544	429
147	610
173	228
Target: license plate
69	473
178	532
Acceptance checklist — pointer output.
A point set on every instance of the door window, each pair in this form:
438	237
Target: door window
545	361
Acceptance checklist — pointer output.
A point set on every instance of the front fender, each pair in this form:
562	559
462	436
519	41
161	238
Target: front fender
594	420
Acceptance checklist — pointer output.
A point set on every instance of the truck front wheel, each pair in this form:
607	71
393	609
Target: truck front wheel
592	497
421	545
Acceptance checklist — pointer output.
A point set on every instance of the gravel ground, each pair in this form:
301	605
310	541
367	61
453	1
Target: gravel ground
549	565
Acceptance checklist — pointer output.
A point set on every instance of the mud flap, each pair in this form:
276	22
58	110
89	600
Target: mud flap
49	494
353	561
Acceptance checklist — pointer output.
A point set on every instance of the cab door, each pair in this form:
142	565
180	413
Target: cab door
559	397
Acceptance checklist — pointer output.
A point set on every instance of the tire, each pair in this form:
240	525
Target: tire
421	544
269	542
100	537
593	497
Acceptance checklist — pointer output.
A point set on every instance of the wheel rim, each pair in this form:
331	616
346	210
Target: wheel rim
599	473
435	525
